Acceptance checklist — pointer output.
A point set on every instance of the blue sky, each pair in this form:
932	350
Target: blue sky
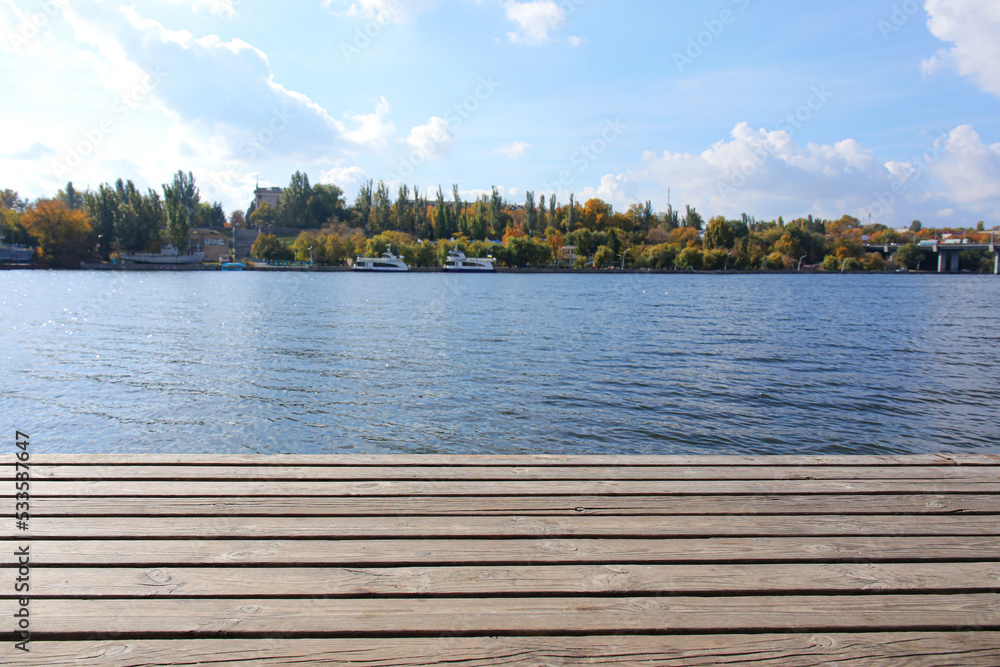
777	108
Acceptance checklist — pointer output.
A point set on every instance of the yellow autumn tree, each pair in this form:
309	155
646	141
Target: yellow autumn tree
64	235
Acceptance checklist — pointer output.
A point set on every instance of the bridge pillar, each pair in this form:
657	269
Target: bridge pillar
942	262
996	264
954	265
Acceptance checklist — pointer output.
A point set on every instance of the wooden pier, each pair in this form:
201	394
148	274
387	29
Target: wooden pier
184	560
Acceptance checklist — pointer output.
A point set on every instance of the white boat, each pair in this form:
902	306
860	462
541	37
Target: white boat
387	262
168	255
458	262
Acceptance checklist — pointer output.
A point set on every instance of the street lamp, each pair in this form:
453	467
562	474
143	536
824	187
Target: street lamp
310	255
622	255
800	262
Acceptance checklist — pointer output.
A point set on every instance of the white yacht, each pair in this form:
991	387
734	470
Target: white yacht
387	262
457	261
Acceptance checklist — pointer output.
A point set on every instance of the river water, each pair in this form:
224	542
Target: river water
505	364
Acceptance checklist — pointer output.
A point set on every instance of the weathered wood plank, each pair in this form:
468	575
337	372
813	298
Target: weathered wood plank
524	580
511	460
363	553
506	526
970	649
493	473
878	649
520	505
60	619
92	489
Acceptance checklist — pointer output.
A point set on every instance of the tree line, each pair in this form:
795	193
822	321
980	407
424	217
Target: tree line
424	226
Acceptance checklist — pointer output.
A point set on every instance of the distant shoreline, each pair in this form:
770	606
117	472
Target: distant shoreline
155	268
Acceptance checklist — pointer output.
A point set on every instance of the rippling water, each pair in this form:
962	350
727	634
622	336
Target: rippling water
434	363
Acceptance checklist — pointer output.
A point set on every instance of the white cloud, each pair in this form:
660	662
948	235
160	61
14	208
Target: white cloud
767	174
969	169
217	7
346	177
374	131
971	26
431	139
149	100
513	150
535	20
575	41
383	11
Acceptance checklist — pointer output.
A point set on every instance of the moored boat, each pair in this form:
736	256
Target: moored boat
457	262
387	262
169	255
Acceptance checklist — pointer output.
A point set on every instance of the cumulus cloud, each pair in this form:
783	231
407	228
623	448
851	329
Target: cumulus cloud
513	150
971	27
373	129
768	174
217	7
431	139
345	177
214	106
383	11
535	20
969	169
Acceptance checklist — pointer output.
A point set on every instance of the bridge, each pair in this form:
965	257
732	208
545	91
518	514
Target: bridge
947	253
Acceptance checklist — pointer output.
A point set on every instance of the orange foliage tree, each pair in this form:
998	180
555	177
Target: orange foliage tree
64	235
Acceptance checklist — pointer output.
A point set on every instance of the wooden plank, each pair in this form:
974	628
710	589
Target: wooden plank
520	505
878	649
970	649
454	488
249	617
365	553
492	473
505	526
511	460
94	583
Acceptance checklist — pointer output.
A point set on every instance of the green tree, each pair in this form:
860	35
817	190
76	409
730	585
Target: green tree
103	209
572	215
693	219
265	216
269	247
216	216
497	220
325	205
293	207
381	209
181	199
604	257
909	256
363	203
69	196
690	258
719	234
916	226
10	200
671	219
531	219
